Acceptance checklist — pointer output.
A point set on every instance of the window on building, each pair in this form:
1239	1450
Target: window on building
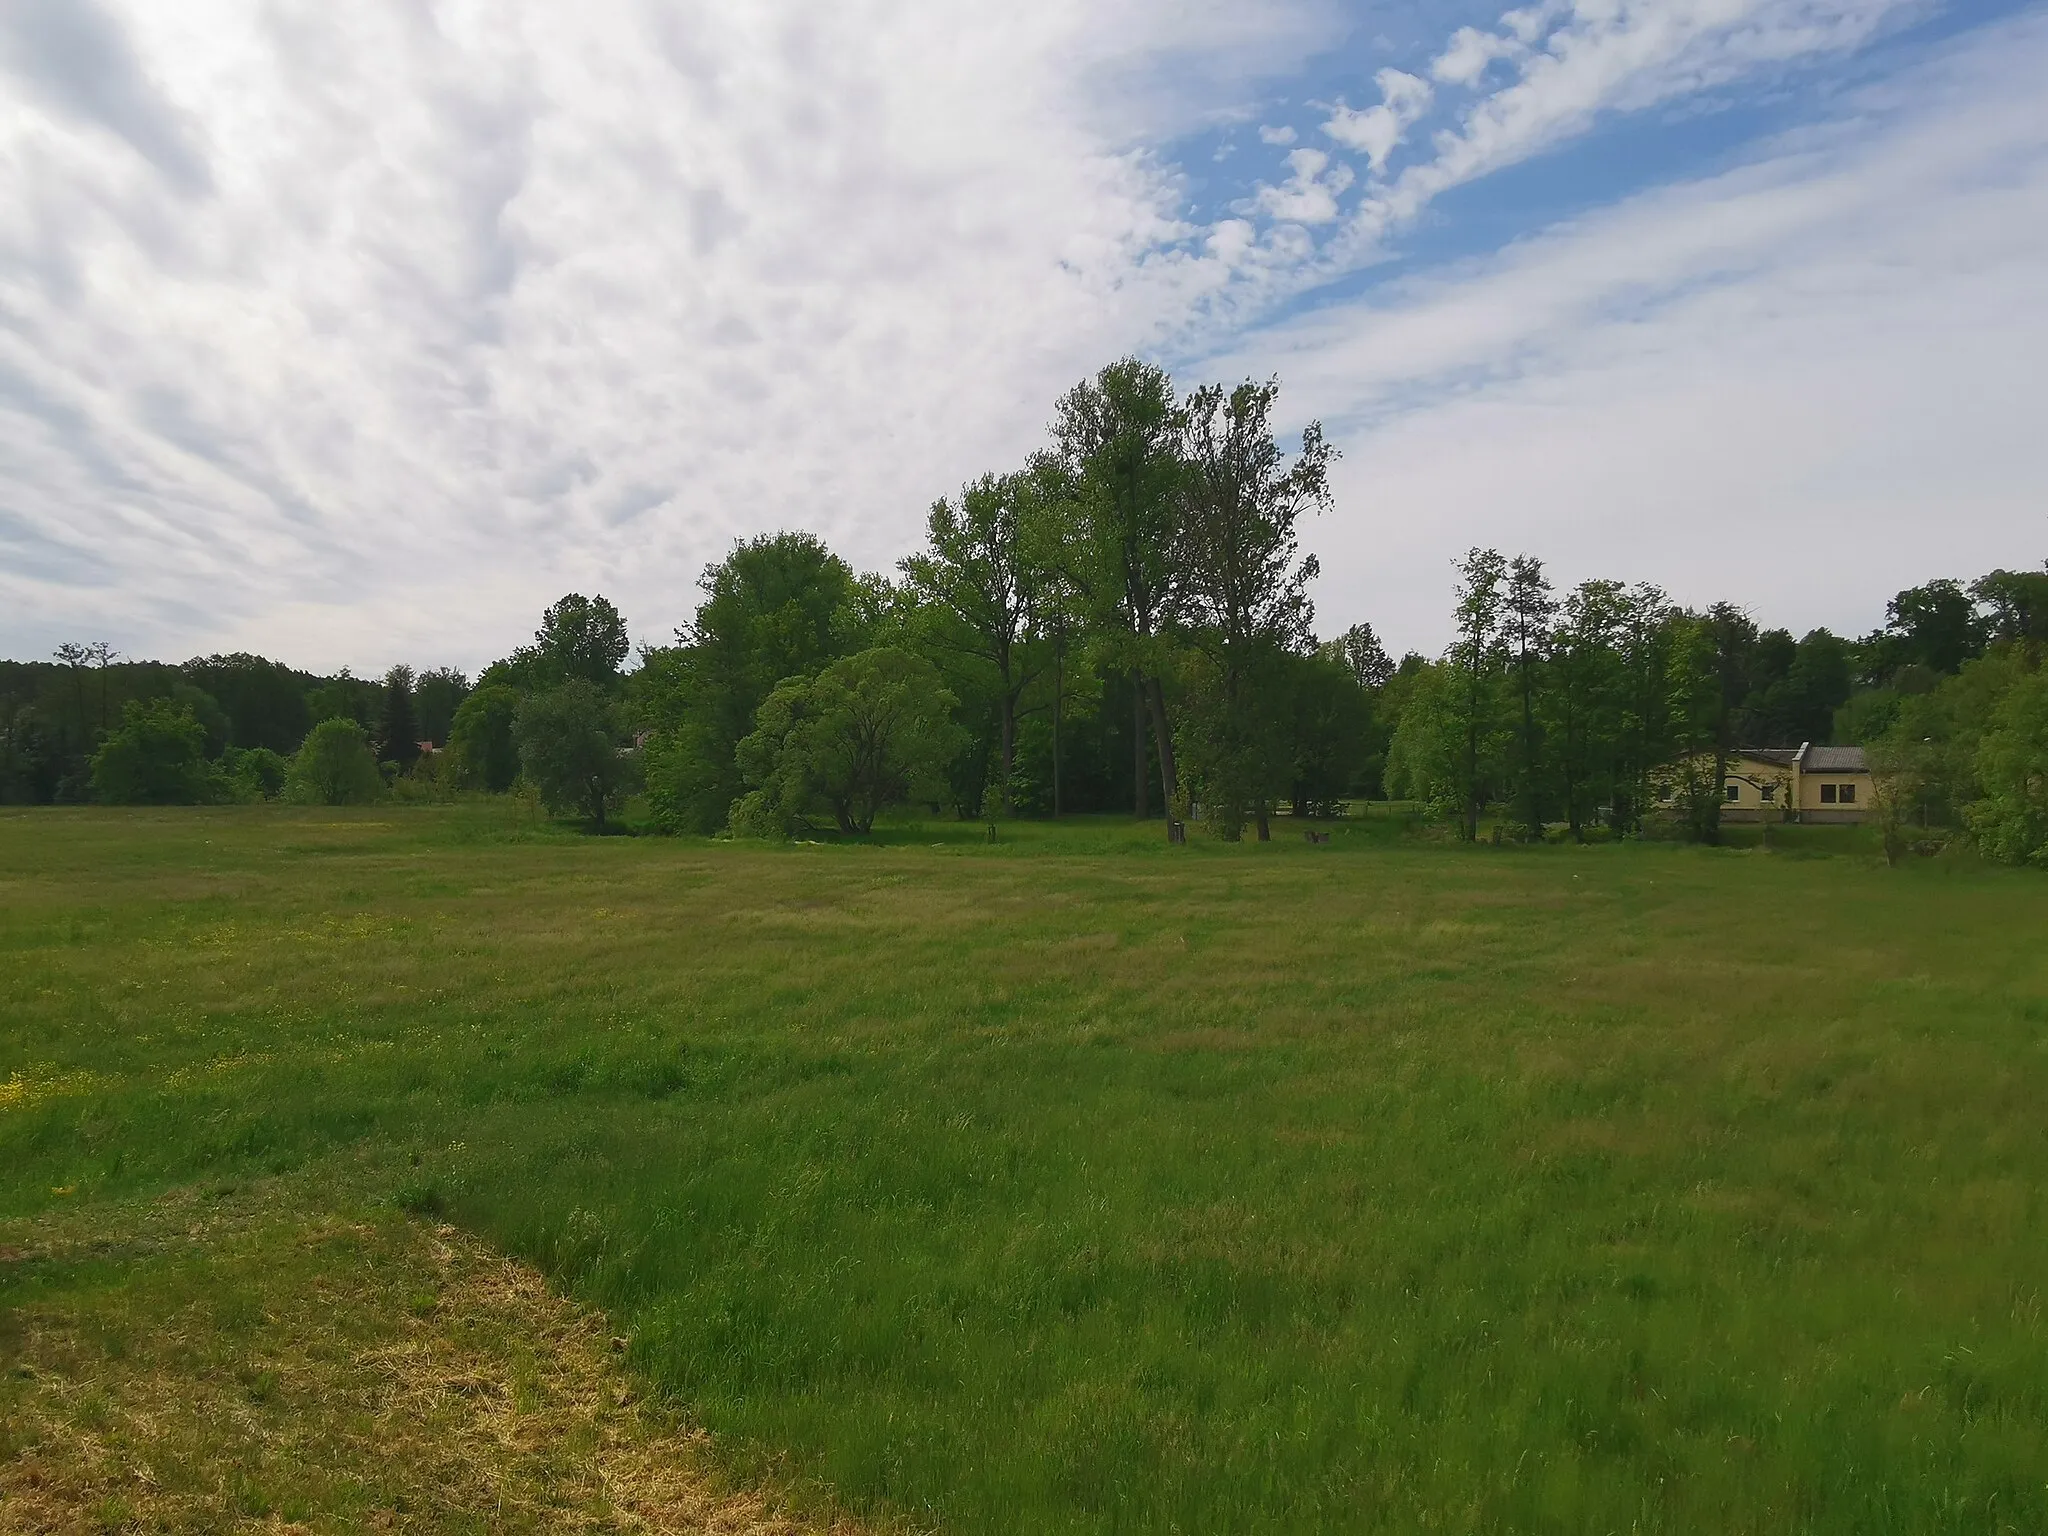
1848	794
1769	792
1827	794
1733	792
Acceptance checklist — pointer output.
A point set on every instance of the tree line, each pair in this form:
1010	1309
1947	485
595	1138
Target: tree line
1594	710
1120	623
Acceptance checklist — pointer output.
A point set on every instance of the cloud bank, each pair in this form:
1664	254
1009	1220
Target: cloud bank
358	333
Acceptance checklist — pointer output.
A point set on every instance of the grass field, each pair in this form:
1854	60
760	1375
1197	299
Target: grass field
1079	1184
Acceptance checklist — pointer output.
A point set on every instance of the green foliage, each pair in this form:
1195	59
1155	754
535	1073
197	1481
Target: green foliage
347	697
265	701
2010	821
482	738
1935	625
779	606
1696	709
1946	726
31	754
1864	716
572	749
398	727
987	577
435	778
582	639
436	697
872	730
1358	651
2016	607
255	773
1425	761
1242	589
335	766
1329	733
215	730
1116	471
1477	662
156	757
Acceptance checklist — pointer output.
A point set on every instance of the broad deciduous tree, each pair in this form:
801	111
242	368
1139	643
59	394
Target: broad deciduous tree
486	750
156	756
871	730
572	749
334	766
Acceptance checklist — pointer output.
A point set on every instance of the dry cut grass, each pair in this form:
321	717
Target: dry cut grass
218	1364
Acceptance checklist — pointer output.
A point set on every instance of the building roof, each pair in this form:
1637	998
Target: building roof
1833	760
1785	755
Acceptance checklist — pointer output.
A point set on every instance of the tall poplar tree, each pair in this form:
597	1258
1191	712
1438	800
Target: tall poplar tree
1116	438
982	568
1476	658
1528	608
1243	591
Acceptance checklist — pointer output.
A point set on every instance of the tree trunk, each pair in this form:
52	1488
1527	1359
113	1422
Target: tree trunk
1059	690
1169	782
1141	790
1009	749
1472	776
1265	822
1531	810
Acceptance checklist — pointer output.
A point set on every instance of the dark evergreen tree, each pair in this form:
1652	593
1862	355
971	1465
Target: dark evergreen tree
398	729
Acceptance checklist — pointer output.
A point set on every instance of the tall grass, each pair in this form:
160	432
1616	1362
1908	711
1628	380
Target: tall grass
1076	1184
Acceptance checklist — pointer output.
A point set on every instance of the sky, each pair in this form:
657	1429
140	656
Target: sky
358	334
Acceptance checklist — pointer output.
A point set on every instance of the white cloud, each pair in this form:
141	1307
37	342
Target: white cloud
1376	131
1570	65
362	331
1309	196
1468	54
1625	55
1803	384
1280	135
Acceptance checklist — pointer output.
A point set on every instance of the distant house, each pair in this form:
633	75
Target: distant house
1809	784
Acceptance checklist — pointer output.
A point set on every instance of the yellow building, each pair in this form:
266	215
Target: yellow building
1805	785
1809	784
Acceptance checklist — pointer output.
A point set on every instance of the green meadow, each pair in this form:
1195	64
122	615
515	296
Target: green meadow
1079	1184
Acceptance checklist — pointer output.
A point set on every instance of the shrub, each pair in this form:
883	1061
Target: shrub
157	756
2010	822
335	766
254	773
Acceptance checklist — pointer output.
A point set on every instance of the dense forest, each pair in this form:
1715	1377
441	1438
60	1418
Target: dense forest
1120	624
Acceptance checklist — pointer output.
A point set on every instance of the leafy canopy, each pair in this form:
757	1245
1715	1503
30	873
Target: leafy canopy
777	607
482	740
335	766
157	756
872	730
570	740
